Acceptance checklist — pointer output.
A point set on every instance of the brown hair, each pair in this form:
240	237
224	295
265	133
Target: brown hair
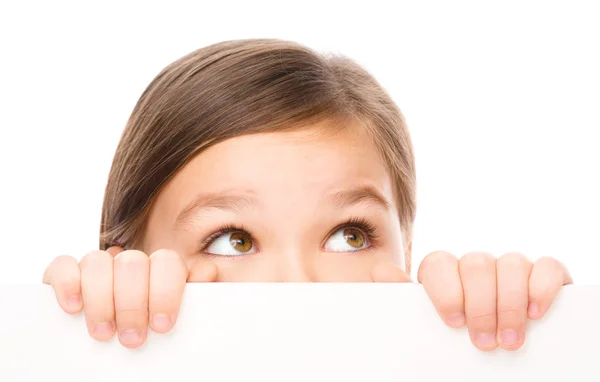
243	87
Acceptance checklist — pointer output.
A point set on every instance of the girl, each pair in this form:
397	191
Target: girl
261	160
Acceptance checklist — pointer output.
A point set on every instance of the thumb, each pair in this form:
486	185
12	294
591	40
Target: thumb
388	272
203	271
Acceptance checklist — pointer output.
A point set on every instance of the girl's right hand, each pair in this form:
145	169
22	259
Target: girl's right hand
124	290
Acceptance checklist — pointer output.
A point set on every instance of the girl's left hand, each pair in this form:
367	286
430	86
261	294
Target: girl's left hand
493	297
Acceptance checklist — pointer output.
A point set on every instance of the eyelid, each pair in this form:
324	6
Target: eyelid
227	228
225	257
368	228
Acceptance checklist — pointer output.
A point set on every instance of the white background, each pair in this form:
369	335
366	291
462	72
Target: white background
502	99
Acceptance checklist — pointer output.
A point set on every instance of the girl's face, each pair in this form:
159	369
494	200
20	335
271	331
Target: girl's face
289	206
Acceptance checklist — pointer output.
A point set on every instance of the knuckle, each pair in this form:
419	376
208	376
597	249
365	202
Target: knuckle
95	258
166	255
131	256
511	311
437	259
97	314
512	317
508	310
482	320
57	267
548	262
476	260
62	263
513	260
554	267
140	310
64	259
440	257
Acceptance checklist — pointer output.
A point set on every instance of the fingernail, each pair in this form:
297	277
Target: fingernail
457	320
510	337
533	310
104	329
130	336
161	322
74	301
485	340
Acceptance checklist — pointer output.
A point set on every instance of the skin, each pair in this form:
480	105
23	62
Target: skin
291	191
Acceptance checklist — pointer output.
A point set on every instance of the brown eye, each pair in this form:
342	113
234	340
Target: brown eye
348	239
354	237
234	243
241	241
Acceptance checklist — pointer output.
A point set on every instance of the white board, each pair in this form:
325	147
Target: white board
296	332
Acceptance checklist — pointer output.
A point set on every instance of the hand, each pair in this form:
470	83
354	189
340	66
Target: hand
125	290
493	297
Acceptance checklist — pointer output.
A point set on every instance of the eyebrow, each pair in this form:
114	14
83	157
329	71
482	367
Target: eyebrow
236	202
350	197
225	201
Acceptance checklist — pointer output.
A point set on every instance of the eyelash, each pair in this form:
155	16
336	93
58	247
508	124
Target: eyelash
362	224
228	228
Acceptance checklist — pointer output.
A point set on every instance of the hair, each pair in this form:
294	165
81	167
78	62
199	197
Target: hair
242	87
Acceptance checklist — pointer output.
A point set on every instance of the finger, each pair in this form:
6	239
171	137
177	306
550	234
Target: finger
547	277
64	277
478	276
202	271
131	273
97	290
440	277
389	273
168	275
512	272
114	250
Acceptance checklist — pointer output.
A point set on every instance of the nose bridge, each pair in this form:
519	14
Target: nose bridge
294	265
291	242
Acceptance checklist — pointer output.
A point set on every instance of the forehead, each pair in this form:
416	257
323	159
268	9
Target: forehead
299	164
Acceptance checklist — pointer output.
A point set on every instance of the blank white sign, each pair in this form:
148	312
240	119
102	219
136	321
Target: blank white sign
296	332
